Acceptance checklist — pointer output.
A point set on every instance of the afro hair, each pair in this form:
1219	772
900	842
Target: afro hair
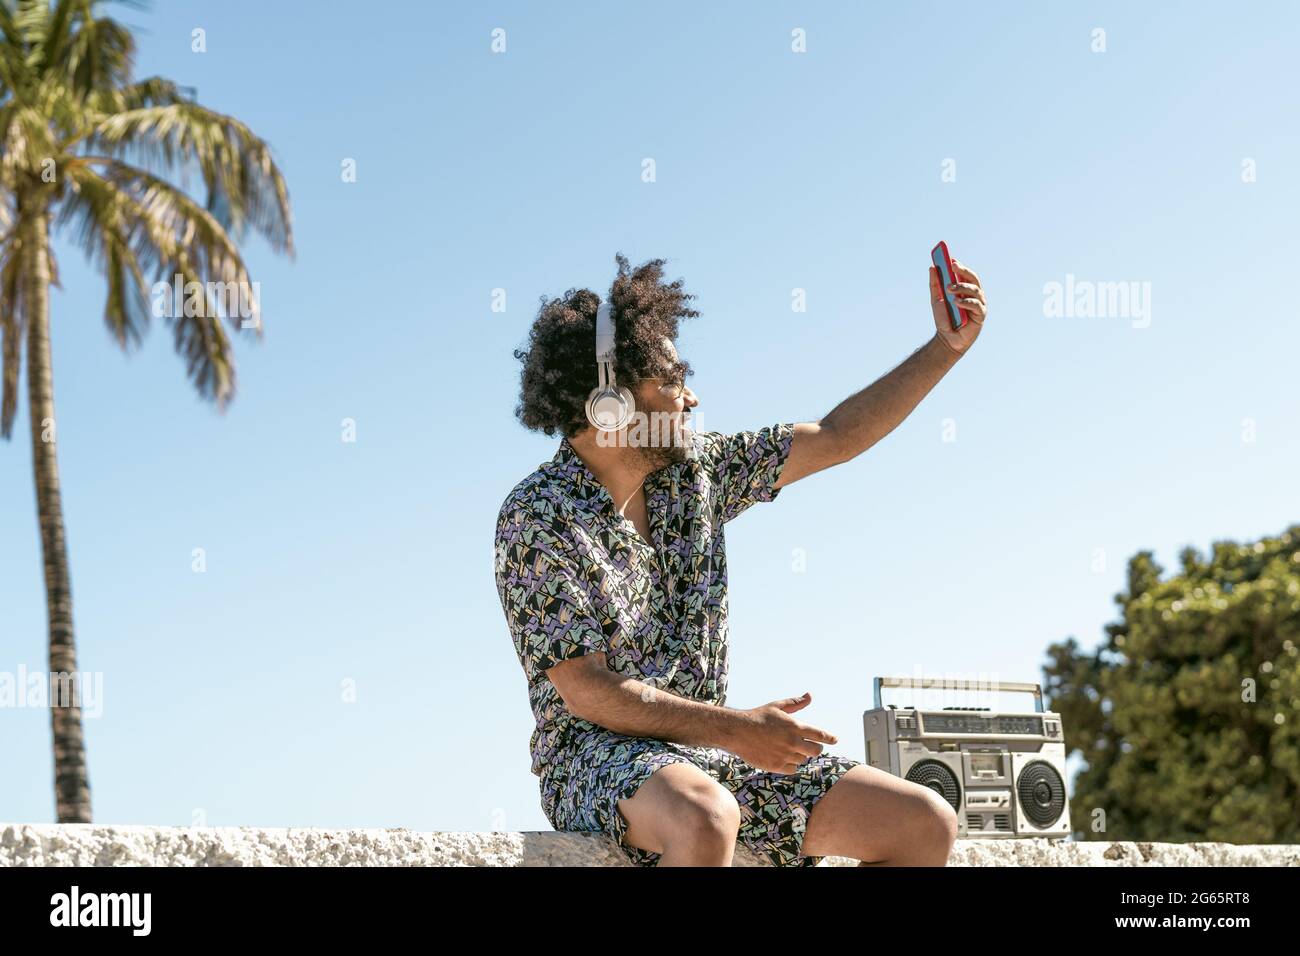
559	365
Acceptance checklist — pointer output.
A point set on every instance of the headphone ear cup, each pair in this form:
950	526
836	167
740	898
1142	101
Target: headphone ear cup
626	408
609	409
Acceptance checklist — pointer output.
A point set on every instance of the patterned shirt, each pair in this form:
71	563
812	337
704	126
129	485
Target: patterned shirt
574	576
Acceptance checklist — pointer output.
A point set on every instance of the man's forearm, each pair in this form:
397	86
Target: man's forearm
867	416
627	706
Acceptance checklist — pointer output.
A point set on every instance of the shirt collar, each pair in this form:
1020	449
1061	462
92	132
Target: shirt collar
584	488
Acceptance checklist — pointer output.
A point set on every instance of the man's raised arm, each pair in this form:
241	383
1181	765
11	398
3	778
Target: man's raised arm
862	419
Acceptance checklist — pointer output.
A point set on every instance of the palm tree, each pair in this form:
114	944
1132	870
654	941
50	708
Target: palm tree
86	147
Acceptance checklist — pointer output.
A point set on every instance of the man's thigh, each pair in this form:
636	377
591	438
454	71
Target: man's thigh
776	807
872	815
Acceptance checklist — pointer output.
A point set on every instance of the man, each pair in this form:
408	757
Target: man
611	569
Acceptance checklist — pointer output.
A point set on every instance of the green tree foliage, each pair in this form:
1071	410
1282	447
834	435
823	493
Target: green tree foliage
1188	714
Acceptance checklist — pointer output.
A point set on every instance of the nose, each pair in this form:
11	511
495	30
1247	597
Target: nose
689	397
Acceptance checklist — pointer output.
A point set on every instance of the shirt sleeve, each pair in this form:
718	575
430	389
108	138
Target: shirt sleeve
745	466
549	613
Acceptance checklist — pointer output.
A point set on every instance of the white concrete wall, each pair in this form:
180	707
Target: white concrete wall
93	844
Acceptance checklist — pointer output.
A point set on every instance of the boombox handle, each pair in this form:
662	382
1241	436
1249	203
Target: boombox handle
950	684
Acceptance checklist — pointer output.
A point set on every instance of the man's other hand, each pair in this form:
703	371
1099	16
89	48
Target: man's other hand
770	739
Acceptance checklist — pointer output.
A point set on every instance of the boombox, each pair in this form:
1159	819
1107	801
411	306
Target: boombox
1004	773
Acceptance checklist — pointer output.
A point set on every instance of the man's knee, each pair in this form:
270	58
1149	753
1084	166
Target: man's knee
706	811
680	804
936	819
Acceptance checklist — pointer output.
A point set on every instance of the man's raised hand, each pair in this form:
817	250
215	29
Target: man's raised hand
970	296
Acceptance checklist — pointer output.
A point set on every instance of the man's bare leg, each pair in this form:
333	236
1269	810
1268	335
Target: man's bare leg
881	820
684	814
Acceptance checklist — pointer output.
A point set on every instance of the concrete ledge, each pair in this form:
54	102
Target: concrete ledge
92	844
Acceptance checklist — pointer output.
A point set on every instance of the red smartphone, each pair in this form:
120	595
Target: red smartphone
947	276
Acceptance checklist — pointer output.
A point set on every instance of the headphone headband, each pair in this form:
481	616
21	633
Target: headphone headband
604	334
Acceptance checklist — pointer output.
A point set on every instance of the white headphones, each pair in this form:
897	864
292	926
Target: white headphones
609	406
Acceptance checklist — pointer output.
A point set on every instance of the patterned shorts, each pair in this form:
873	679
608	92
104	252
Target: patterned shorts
605	767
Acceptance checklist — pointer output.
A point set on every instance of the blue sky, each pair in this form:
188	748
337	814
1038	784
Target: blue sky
369	561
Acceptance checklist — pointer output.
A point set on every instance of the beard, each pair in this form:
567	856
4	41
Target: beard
660	455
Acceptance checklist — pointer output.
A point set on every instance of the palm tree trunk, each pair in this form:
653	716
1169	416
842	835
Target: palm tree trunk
71	784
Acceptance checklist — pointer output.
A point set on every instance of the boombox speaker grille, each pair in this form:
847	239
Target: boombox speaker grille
937	776
1042	793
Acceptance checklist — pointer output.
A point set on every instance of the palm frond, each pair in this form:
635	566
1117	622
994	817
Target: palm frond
202	342
70	40
32	22
14	75
98	55
171	238
244	185
102	221
151	91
